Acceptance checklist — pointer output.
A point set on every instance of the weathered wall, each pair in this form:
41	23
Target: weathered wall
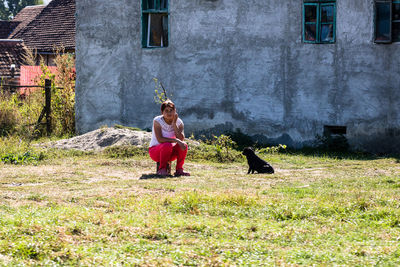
239	64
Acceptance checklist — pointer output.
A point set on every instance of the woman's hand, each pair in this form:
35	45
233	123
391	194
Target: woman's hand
175	119
181	144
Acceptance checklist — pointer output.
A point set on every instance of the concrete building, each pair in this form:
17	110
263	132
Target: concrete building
281	71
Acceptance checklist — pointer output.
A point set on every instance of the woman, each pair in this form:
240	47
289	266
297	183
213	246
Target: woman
167	140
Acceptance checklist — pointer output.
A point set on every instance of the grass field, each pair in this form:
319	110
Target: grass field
89	209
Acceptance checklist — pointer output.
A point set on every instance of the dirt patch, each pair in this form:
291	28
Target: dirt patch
102	138
99	139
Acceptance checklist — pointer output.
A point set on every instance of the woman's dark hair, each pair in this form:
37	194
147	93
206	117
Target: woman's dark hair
167	103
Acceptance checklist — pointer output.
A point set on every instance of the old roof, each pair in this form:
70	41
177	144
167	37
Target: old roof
25	16
11	52
6	27
53	26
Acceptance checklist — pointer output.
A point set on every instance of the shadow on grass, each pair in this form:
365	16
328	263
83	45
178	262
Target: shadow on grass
154	176
351	155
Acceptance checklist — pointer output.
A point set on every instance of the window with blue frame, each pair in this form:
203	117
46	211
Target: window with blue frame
387	21
319	21
154	23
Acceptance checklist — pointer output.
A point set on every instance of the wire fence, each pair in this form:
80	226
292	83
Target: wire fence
46	111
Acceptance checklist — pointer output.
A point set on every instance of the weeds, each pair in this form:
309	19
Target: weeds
27	157
160	92
273	149
125	151
127	127
62	91
19	113
335	143
17	151
8	114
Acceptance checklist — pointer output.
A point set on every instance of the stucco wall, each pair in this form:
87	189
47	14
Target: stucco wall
239	64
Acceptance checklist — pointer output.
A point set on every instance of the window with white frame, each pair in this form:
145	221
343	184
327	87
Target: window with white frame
387	21
154	23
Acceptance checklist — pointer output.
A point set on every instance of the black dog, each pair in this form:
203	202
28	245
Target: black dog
255	163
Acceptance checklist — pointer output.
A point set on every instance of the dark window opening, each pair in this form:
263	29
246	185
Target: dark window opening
335	130
387	21
154	23
396	22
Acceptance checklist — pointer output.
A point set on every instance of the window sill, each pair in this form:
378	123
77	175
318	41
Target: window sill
155	11
319	43
155	47
388	43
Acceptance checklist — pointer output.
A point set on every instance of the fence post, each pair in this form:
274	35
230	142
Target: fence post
47	90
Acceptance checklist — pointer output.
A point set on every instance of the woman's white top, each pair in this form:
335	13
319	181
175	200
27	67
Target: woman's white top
166	130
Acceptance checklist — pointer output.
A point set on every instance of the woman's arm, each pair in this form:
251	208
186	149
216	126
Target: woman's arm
161	138
178	129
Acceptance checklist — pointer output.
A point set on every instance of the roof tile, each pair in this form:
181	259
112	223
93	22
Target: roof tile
25	16
53	26
11	52
6	27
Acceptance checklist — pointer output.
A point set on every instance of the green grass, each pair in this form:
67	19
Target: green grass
75	208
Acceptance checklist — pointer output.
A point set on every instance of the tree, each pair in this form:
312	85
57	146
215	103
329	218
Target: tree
10	8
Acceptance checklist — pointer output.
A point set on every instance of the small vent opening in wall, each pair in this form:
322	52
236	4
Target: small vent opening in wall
333	130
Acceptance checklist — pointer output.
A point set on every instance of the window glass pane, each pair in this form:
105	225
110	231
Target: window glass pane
155	30
396	11
150	4
163	4
396	32
382	22
165	30
327	13
310	13
311	32
396	22
327	33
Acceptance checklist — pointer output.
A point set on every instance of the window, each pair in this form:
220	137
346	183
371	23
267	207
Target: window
154	23
319	21
332	130
387	21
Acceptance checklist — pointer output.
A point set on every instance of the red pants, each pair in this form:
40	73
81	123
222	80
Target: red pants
168	152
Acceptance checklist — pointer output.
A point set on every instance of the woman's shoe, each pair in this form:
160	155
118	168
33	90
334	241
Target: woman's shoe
162	172
181	173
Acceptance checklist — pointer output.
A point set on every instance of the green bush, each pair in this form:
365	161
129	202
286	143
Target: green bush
62	93
273	149
8	114
21	158
241	140
16	151
19	114
218	149
336	143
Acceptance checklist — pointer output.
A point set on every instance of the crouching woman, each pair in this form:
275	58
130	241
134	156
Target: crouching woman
167	140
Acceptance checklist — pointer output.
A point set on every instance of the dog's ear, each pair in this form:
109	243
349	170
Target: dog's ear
246	151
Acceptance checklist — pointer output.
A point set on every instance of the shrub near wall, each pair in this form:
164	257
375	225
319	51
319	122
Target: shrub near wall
62	93
8	114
